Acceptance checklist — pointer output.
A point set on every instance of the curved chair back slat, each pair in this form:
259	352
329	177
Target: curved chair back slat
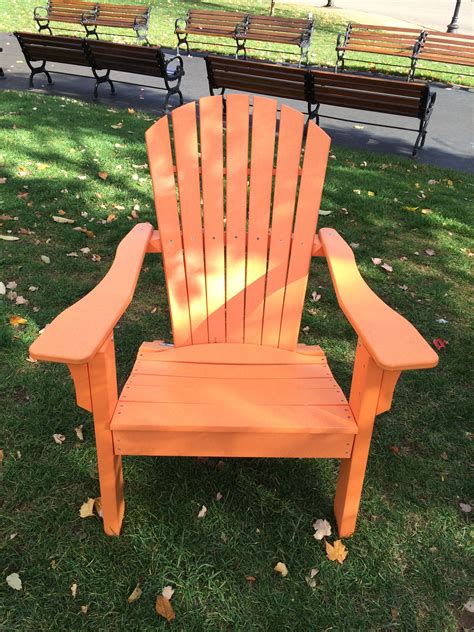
236	231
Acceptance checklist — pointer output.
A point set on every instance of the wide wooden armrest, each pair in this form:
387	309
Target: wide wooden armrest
393	342
75	336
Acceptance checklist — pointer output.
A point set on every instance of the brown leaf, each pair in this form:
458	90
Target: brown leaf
430	252
164	608
59	438
336	552
251	579
387	267
103	175
135	594
78	431
74	590
111	218
376	261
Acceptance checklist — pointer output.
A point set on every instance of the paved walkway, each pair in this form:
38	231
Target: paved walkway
434	14
450	140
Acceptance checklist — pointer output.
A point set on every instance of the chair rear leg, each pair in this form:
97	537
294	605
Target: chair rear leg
365	390
103	383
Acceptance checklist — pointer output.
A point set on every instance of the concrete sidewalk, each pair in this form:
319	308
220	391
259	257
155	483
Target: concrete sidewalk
434	14
449	142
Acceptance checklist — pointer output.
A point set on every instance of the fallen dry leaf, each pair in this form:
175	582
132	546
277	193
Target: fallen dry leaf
315	297
11	285
9	238
325	212
430	252
3	289
111	218
87	508
219	496
440	344
202	512
16	321
74	590
371	193
84	609
103	175
322	528
21	300
62	220
410	208
59	438
164	608
250	579
387	267
135	594
465	507
167	592
78	431
311	578
14	581
336	552
376	261
45	259
281	568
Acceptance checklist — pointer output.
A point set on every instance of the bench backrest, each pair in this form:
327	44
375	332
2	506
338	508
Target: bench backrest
53	48
258	77
448	45
123	11
388	96
279	28
143	60
69	10
316	86
214	22
382	36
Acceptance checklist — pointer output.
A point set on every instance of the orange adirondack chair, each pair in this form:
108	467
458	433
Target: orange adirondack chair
236	236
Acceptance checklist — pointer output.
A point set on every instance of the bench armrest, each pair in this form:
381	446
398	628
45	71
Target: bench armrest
180	24
178	71
393	342
37	16
75	336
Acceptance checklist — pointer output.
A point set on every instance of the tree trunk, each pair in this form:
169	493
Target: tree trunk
272	7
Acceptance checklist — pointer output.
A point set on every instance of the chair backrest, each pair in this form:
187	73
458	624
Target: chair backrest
237	232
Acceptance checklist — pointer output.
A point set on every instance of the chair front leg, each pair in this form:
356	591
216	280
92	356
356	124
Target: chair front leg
364	398
104	397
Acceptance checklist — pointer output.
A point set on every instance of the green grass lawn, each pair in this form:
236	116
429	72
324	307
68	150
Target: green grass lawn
407	567
19	15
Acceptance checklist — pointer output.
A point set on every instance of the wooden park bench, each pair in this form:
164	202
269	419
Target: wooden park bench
91	15
101	57
378	40
386	96
447	48
244	27
235	382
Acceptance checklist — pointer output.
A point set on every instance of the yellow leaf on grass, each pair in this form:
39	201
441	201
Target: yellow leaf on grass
15	321
9	238
281	568
135	594
87	508
42	166
111	218
410	208
336	552
164	608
